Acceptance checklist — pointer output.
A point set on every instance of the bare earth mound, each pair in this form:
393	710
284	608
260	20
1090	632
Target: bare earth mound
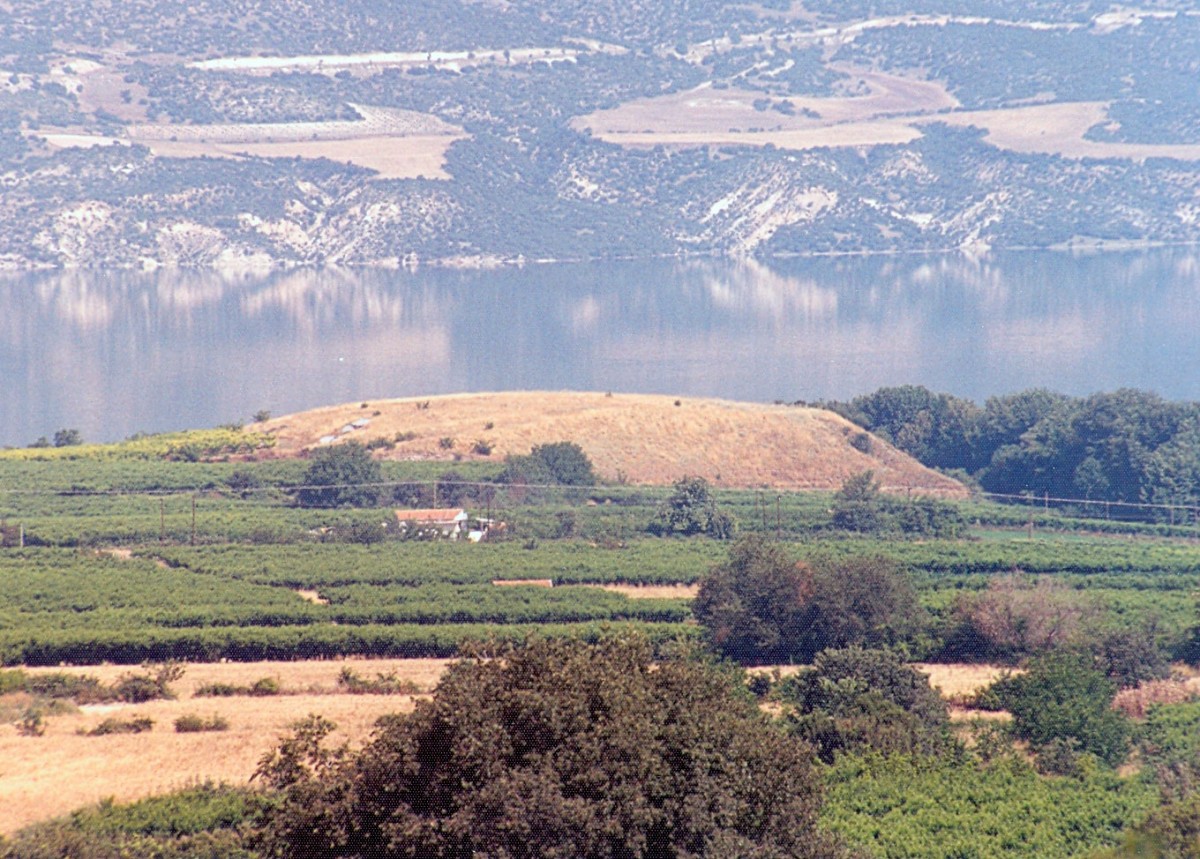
639	438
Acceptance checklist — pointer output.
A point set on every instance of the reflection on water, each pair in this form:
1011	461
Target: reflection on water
113	353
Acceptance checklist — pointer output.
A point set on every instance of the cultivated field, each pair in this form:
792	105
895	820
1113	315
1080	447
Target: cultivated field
397	144
892	111
640	438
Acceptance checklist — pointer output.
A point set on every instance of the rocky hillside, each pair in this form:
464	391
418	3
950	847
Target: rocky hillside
349	133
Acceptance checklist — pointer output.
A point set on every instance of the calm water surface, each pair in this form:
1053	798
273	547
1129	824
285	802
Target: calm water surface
114	353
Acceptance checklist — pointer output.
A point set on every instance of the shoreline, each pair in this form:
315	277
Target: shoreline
486	262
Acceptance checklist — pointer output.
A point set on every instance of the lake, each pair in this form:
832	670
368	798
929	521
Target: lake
114	353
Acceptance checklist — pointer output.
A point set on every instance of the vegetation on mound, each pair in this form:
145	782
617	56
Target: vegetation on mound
188	446
1126	447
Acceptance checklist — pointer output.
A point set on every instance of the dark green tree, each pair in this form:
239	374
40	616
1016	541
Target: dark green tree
755	606
866	700
935	428
867	601
761	605
858	506
342	475
567	463
67	438
692	509
560	463
556	749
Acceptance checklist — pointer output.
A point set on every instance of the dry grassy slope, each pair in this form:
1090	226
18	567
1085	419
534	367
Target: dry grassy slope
642	438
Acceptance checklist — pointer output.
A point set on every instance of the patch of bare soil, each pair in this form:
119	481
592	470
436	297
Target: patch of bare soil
653	592
636	438
313	597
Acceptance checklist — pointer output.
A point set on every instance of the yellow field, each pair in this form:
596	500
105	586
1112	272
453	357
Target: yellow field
641	438
46	776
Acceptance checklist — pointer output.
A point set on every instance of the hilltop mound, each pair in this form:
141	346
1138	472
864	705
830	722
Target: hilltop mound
639	438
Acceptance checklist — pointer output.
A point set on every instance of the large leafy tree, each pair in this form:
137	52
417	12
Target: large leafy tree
562	463
856	699
557	749
341	475
762	605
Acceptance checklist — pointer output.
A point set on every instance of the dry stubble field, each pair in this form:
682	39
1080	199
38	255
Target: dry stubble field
42	777
639	438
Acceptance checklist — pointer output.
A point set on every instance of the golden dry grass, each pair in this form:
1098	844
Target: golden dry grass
705	110
1136	702
957	681
1058	129
42	777
393	157
639	438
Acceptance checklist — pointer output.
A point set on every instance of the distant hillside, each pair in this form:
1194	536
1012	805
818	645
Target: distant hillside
641	438
354	132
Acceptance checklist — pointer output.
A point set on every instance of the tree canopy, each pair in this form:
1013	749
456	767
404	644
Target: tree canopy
562	463
557	749
762	605
1122	446
692	509
341	475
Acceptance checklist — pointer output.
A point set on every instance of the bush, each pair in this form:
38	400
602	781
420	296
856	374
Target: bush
190	723
13	680
1018	616
383	684
857	700
203	822
263	687
150	686
114	725
1130	657
561	463
80	688
691	509
1064	697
